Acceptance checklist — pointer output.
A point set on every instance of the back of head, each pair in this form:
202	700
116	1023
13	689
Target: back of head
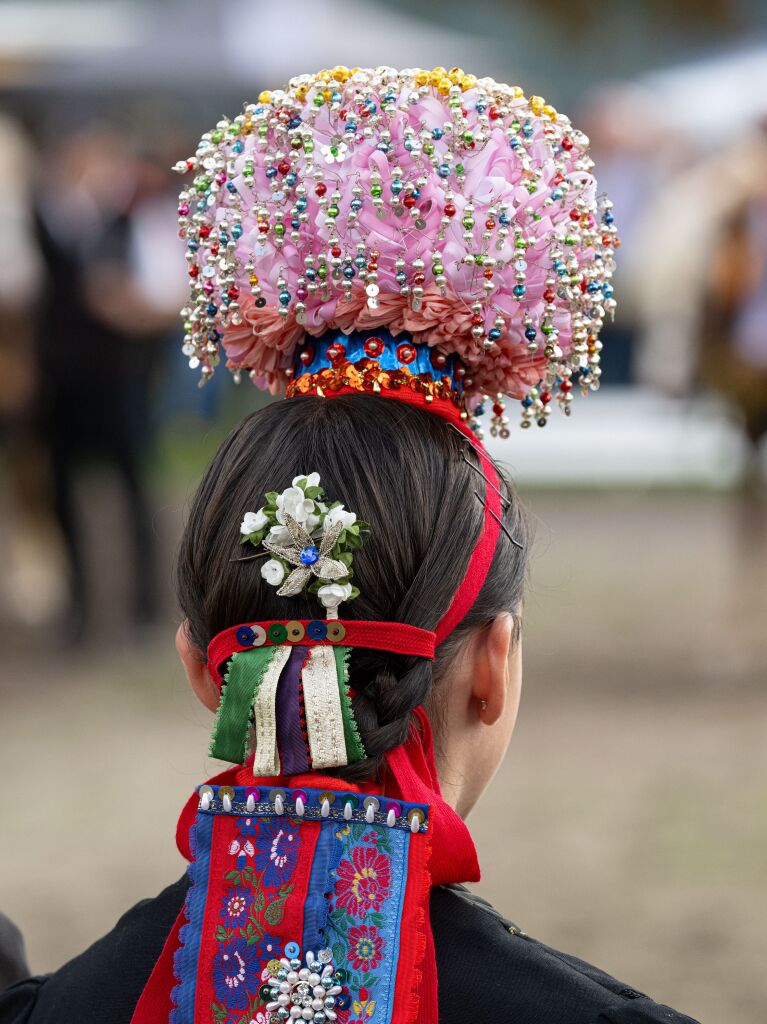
398	467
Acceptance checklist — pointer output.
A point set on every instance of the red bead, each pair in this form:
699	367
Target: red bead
498	409
449	210
406	353
307	356
335	251
567	142
336	352
373	347
320	188
233	292
374	254
204	230
263	228
409	201
566	386
488	273
214	249
493	113
575	215
419	278
477	320
283	166
438	359
489	224
194	270
372	266
545	396
549	294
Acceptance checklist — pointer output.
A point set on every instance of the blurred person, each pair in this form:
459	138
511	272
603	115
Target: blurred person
105	313
333	249
690	232
31	581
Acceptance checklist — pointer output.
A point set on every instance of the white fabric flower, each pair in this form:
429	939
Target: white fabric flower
312	480
273	572
335	154
279	535
340	515
332	594
252	522
296	504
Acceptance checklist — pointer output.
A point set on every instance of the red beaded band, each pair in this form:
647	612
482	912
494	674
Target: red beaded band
396	637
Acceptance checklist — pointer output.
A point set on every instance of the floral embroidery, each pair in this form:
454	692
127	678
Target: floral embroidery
258	884
363	882
235	907
277	847
365	947
236	973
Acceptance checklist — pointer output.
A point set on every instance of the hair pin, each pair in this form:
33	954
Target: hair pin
500	522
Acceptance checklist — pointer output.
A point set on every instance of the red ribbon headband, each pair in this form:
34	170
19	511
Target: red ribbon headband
395	637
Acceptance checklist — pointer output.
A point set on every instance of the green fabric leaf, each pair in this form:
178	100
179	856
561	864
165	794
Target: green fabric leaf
355	751
229	741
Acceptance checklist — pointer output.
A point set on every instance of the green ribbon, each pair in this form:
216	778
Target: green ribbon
355	751
229	741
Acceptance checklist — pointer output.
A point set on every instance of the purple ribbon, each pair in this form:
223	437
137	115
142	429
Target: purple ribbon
294	757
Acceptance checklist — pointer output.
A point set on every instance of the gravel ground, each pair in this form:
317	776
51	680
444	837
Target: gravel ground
627	825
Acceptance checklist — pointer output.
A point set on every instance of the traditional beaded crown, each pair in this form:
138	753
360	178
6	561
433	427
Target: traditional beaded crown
454	212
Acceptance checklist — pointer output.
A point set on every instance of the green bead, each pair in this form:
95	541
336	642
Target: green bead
340	976
279	229
202	184
262	130
459	169
468	222
376	190
519	243
570	240
438	269
217	135
333	210
308	145
515	125
547	329
479	259
428	148
322	271
319	100
468	137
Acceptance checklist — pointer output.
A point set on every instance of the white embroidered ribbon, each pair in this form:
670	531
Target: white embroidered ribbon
324	719
267	760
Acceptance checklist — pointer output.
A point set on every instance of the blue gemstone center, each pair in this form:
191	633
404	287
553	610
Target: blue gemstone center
309	555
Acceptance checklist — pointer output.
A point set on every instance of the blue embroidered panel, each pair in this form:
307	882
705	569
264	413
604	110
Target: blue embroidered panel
248	904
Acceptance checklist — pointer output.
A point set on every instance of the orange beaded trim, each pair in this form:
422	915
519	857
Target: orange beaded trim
367	376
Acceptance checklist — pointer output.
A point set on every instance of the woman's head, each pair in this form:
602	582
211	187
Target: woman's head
407	473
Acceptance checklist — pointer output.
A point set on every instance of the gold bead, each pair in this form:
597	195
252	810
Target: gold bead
265	96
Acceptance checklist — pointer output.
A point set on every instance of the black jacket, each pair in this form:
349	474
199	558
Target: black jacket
489	972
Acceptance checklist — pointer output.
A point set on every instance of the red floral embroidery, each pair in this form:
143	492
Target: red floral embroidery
365	947
363	882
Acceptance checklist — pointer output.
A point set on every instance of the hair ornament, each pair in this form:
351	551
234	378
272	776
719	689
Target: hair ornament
455	212
311	543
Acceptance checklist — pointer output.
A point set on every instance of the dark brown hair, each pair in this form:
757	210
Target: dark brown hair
399	468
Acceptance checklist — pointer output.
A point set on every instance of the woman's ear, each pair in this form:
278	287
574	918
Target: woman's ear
491	678
196	669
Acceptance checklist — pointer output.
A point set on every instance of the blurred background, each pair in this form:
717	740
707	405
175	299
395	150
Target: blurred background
629	822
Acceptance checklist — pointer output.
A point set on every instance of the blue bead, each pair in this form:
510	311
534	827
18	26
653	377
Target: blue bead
557	193
311	273
519	290
408	145
245	636
290	178
301	203
437	133
285	297
359	261
237	231
271	172
231	186
479	411
343	1001
295	224
212	309
292	950
608	217
355	204
530	333
443	170
504	219
494	334
416	193
193	246
309	555
481	108
349	272
294	122
238	146
351	128
527	402
317	630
